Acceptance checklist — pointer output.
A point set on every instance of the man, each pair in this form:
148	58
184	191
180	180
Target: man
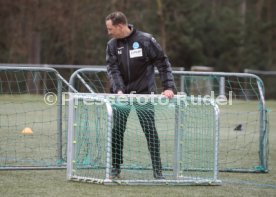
131	56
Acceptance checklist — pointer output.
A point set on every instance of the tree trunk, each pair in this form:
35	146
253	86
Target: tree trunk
271	44
259	8
34	58
162	27
243	6
214	8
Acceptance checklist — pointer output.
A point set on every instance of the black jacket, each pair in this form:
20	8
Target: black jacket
130	64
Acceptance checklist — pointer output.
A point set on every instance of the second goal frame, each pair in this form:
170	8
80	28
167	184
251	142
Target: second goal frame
243	121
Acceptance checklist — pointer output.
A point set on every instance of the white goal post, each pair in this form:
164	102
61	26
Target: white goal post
188	133
243	118
268	78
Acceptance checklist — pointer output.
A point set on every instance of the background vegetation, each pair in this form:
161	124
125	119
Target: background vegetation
229	35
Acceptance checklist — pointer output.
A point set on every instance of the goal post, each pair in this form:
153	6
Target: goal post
34	134
32	118
244	119
268	78
244	128
188	140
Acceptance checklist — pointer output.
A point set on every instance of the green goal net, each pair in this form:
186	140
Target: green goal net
243	144
32	119
143	135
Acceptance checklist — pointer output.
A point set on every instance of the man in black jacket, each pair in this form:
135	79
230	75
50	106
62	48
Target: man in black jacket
131	56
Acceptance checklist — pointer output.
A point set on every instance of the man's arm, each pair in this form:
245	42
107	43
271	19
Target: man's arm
161	61
113	70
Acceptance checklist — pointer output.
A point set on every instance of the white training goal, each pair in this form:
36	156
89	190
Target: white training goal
181	133
243	142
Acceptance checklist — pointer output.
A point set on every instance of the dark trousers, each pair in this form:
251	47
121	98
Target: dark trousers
146	118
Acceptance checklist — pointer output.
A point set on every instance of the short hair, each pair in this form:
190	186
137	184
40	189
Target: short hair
117	18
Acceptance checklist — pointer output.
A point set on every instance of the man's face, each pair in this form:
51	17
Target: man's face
115	31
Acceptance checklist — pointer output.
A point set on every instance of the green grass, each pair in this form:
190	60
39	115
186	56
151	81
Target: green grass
18	112
53	182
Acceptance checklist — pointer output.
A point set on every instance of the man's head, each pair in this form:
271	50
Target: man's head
116	24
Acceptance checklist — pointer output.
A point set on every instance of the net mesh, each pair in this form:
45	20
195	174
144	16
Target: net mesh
147	140
268	77
243	119
243	122
30	128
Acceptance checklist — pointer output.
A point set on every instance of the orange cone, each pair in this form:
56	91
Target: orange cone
27	131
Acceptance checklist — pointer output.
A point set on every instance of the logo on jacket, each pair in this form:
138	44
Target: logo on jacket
135	45
135	53
120	50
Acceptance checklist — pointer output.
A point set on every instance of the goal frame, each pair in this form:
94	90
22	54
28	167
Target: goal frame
263	123
60	163
177	180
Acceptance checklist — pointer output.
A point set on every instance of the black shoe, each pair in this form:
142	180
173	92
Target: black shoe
115	173
158	175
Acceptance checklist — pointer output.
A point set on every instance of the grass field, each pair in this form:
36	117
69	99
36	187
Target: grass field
54	183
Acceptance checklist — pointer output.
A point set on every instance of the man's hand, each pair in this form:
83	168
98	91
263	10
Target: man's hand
168	93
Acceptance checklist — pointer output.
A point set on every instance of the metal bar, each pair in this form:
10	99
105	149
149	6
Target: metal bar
63	167
183	181
70	144
263	132
222	86
52	66
260	72
216	140
59	121
109	139
176	141
85	84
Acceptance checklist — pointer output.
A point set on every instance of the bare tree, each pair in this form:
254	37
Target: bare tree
271	6
162	25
